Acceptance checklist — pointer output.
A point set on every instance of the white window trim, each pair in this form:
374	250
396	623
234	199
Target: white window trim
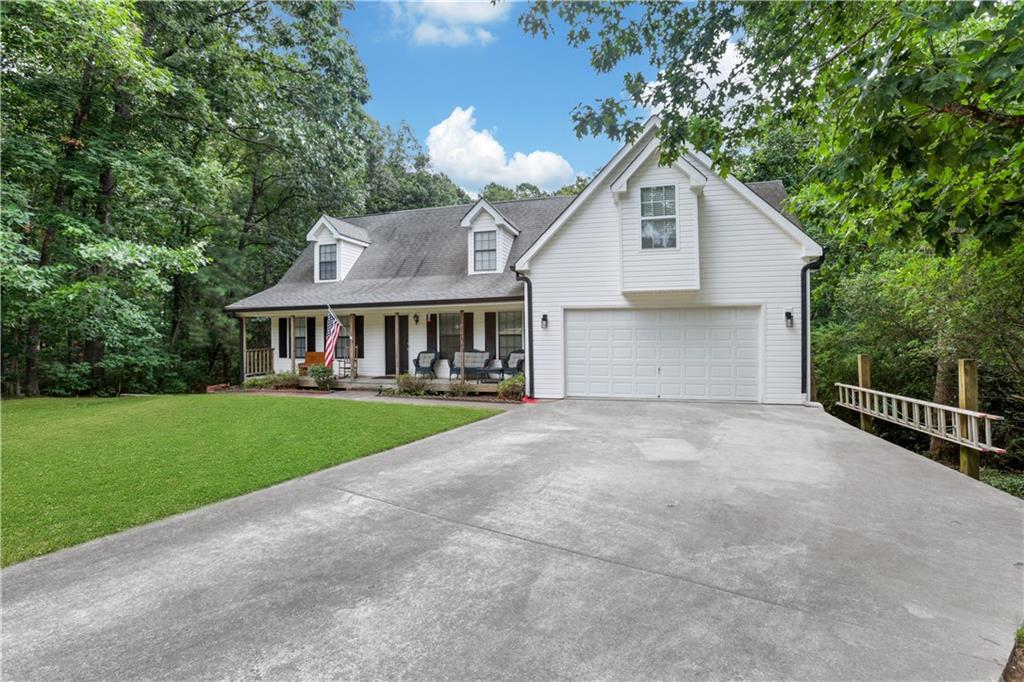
472	255
640	225
316	261
337	261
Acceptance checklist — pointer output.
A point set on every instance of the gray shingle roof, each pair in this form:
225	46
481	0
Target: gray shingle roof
774	192
414	256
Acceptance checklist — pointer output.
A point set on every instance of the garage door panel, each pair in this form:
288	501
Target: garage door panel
686	353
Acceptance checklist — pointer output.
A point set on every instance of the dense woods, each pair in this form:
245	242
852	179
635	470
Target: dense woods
162	159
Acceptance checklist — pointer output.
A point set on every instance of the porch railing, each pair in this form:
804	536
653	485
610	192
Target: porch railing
957	425
259	361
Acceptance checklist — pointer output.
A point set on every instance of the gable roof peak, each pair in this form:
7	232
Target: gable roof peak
484	206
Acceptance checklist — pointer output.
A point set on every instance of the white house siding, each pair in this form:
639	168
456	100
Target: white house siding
659	269
745	260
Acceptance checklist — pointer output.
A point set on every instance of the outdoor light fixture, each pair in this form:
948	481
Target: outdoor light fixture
416	318
544	321
789	319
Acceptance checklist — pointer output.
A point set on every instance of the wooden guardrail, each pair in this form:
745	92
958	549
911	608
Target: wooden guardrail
259	361
964	425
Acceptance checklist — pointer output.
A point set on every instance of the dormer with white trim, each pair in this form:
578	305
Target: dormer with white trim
489	237
659	220
336	247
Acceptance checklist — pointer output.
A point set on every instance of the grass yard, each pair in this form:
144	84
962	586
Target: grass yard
75	469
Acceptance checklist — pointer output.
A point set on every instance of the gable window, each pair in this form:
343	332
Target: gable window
510	332
485	251
448	334
328	261
658	217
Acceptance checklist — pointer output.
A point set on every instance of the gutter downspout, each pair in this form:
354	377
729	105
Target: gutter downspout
520	277
805	327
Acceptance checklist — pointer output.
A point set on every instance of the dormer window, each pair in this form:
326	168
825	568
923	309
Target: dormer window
658	217
485	251
328	261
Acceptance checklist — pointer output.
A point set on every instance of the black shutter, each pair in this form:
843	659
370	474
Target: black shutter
491	333
311	334
359	335
468	319
432	332
282	337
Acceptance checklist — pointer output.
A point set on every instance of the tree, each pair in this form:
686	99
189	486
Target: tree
399	175
573	189
492	192
917	107
162	159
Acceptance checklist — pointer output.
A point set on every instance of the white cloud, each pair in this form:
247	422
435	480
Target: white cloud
448	23
473	158
429	33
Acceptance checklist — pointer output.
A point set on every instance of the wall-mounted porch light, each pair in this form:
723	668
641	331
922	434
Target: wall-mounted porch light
544	321
789	319
415	318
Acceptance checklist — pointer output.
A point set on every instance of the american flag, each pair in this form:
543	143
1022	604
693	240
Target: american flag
331	334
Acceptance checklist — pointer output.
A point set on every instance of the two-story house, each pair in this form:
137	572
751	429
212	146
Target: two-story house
656	281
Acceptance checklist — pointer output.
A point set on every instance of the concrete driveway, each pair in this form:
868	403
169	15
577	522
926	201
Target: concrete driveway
573	539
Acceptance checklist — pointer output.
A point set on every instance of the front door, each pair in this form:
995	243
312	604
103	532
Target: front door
389	344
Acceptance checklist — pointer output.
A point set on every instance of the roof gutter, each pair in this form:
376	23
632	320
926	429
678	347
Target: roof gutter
805	327
520	277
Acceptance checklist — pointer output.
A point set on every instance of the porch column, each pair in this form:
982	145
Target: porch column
291	323
462	345
352	352
241	341
398	345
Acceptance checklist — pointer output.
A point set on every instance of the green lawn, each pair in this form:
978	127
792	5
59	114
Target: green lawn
76	469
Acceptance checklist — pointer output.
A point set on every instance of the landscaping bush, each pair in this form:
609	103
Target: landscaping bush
512	388
459	388
266	381
1008	481
285	380
323	376
411	384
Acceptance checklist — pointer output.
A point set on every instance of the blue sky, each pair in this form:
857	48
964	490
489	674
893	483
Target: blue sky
498	100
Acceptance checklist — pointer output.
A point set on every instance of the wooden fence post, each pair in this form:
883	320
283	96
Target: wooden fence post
864	381
970	459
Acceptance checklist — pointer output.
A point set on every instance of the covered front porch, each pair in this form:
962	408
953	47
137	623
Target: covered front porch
376	344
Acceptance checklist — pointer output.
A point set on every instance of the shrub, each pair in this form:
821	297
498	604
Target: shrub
459	388
266	381
323	376
410	384
285	380
512	388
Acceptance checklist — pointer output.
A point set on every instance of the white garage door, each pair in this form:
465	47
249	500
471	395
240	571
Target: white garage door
689	353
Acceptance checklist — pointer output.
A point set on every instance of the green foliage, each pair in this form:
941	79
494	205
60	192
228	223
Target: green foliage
493	192
411	384
916	109
573	189
78	469
164	159
512	388
323	376
459	388
1008	481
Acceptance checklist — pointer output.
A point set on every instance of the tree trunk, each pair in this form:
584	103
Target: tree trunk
945	394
